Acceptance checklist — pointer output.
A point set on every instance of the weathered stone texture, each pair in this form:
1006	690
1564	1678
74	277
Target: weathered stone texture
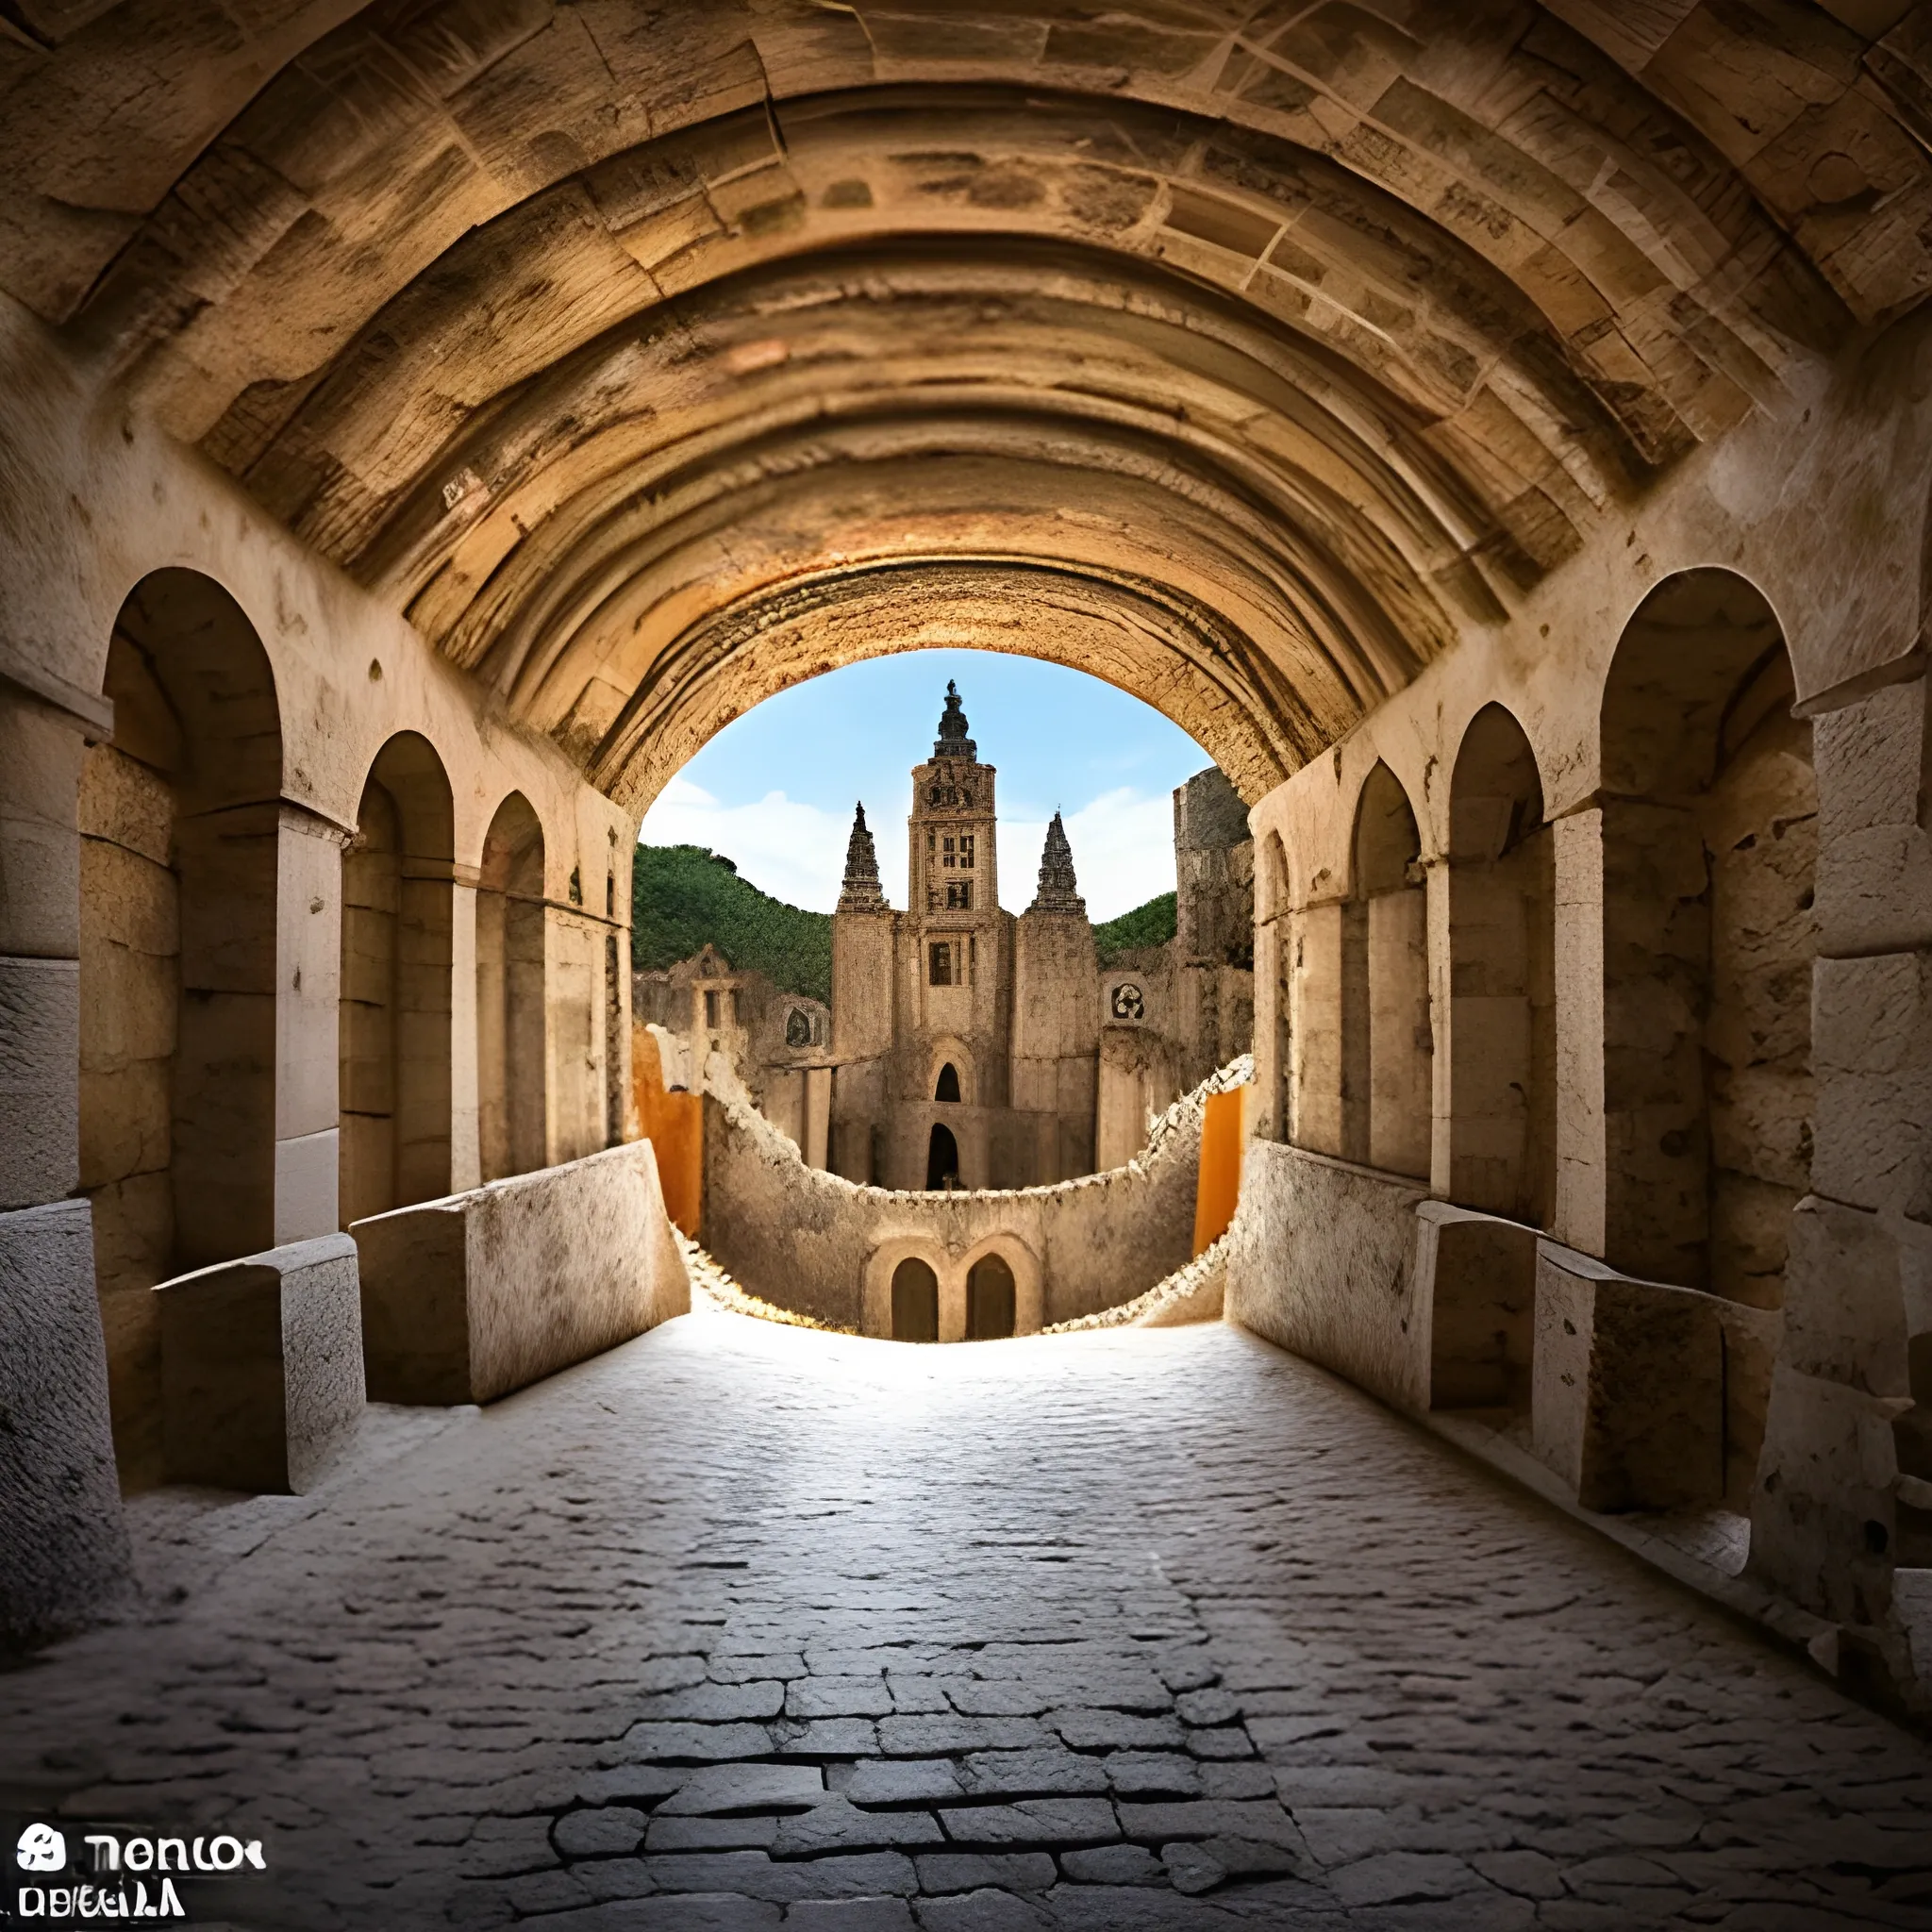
1130	1695
1321	1260
261	1367
67	1561
468	1298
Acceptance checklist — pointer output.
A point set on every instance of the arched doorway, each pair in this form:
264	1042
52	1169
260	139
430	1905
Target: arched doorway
942	1159
513	1059
915	1302
1501	977
181	862
947	1085
989	1300
394	1033
1386	1047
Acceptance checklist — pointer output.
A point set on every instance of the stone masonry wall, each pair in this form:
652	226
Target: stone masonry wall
803	1239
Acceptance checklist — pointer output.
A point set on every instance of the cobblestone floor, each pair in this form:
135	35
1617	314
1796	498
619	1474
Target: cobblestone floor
745	1626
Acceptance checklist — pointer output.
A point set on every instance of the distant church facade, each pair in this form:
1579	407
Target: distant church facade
972	1048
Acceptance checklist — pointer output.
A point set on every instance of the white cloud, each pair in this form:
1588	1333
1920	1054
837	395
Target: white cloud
1123	846
792	851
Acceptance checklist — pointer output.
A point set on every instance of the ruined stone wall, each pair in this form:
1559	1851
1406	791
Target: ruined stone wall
812	1241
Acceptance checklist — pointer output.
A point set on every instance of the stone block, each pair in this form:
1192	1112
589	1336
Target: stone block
468	1298
1876	894
1475	1277
1822	1518
39	1093
1321	1260
66	1548
1872	1028
1845	1299
1627	1388
261	1367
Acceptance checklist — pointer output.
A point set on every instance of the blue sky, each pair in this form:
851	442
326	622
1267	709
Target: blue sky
775	789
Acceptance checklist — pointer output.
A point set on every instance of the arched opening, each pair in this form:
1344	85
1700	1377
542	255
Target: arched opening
1386	1050
1501	977
512	1111
180	827
395	1035
1709	848
942	1159
947	1087
915	1302
989	1299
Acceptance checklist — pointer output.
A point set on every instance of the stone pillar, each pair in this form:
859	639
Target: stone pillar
1441	1010
1848	1436
308	955
465	1157
67	1556
1579	1220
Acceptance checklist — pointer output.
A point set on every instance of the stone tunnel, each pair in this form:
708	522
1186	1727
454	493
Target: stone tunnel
1500	436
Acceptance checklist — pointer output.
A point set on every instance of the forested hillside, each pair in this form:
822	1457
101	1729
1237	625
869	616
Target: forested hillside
1151	924
683	896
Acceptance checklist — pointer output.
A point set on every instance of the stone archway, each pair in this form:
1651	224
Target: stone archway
180	891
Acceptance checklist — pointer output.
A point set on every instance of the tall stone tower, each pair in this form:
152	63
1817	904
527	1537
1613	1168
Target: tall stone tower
864	941
955	971
1056	1020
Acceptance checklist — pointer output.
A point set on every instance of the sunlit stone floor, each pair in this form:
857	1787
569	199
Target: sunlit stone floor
748	1627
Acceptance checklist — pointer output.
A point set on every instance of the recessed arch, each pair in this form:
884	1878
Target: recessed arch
942	1158
1502	976
1709	836
393	1036
946	1088
915	1292
1387	1046
512	1018
180	816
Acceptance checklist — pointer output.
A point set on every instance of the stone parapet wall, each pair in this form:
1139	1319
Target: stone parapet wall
825	1247
1322	1259
469	1298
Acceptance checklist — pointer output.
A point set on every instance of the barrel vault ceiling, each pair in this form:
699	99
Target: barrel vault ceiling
651	355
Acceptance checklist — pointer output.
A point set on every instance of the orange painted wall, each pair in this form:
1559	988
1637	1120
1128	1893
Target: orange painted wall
1223	1139
673	1124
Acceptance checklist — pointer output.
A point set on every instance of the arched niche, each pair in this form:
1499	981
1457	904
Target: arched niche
946	1088
1387	1049
915	1303
1501	977
512	1033
394	1032
990	1299
1709	849
942	1158
180	815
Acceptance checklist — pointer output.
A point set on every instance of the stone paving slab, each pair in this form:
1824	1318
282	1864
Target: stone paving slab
1161	1629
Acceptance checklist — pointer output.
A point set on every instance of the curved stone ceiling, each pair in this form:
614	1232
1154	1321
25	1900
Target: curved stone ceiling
653	357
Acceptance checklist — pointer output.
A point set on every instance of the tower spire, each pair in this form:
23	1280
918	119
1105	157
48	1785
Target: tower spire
860	890
952	741
1058	890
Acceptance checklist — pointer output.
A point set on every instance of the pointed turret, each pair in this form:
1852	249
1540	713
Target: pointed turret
1058	890
952	741
861	891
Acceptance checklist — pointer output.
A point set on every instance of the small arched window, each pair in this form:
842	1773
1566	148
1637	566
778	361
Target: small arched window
948	1088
